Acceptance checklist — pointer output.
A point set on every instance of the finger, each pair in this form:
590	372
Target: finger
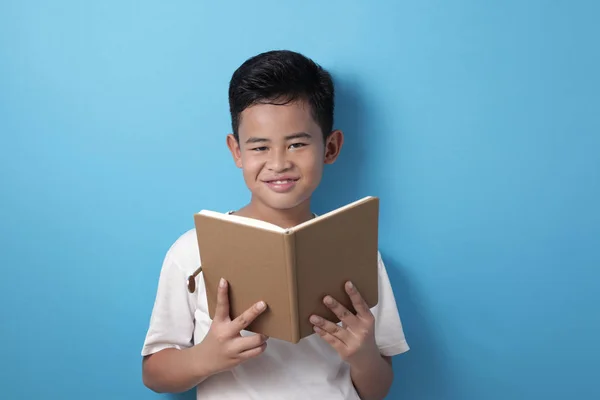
222	308
334	341
340	311
253	352
246	318
325	326
244	344
360	305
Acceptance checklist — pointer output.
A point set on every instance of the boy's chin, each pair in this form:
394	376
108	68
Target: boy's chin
284	203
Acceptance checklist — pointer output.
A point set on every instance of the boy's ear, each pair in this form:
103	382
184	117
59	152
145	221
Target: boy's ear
234	148
333	146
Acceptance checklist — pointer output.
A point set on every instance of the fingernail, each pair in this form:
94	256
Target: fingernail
222	282
314	319
328	300
350	285
260	305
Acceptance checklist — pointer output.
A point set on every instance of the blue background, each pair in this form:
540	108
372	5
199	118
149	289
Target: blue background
477	123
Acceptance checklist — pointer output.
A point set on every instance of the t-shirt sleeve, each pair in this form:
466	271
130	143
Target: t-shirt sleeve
389	334
172	319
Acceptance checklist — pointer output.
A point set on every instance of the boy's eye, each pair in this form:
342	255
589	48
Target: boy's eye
297	145
263	148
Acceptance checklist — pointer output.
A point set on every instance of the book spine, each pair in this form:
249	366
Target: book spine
292	281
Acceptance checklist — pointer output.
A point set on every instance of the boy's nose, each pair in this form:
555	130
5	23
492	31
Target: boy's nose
279	162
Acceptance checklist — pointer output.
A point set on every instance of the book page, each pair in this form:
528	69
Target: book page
243	221
330	213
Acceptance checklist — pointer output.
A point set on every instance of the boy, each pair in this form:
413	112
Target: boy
281	107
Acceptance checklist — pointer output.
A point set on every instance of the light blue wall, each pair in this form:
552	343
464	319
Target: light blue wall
478	124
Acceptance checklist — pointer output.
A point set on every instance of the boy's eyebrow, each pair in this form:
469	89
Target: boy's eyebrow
299	135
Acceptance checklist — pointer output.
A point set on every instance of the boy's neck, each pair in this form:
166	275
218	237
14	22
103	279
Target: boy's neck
282	218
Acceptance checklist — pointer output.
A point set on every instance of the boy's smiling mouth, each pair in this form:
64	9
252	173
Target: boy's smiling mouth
281	185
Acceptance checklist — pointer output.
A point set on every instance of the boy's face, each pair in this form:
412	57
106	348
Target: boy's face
282	153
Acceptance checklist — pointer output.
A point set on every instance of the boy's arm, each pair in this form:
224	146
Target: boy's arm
373	379
355	342
176	370
367	340
172	370
167	351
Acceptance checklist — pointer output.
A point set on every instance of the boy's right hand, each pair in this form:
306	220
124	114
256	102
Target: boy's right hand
224	347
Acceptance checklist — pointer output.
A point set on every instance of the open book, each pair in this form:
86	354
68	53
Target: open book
290	269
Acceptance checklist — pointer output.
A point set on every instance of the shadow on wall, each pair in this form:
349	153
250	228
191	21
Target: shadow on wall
342	181
424	371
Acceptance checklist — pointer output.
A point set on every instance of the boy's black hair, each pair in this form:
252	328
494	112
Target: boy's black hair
280	77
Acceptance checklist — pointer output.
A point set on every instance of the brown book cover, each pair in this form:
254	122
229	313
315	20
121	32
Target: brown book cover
290	269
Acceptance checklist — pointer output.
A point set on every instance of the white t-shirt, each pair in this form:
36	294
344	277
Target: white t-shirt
310	369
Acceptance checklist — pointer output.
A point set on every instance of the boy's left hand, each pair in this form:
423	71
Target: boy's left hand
355	339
